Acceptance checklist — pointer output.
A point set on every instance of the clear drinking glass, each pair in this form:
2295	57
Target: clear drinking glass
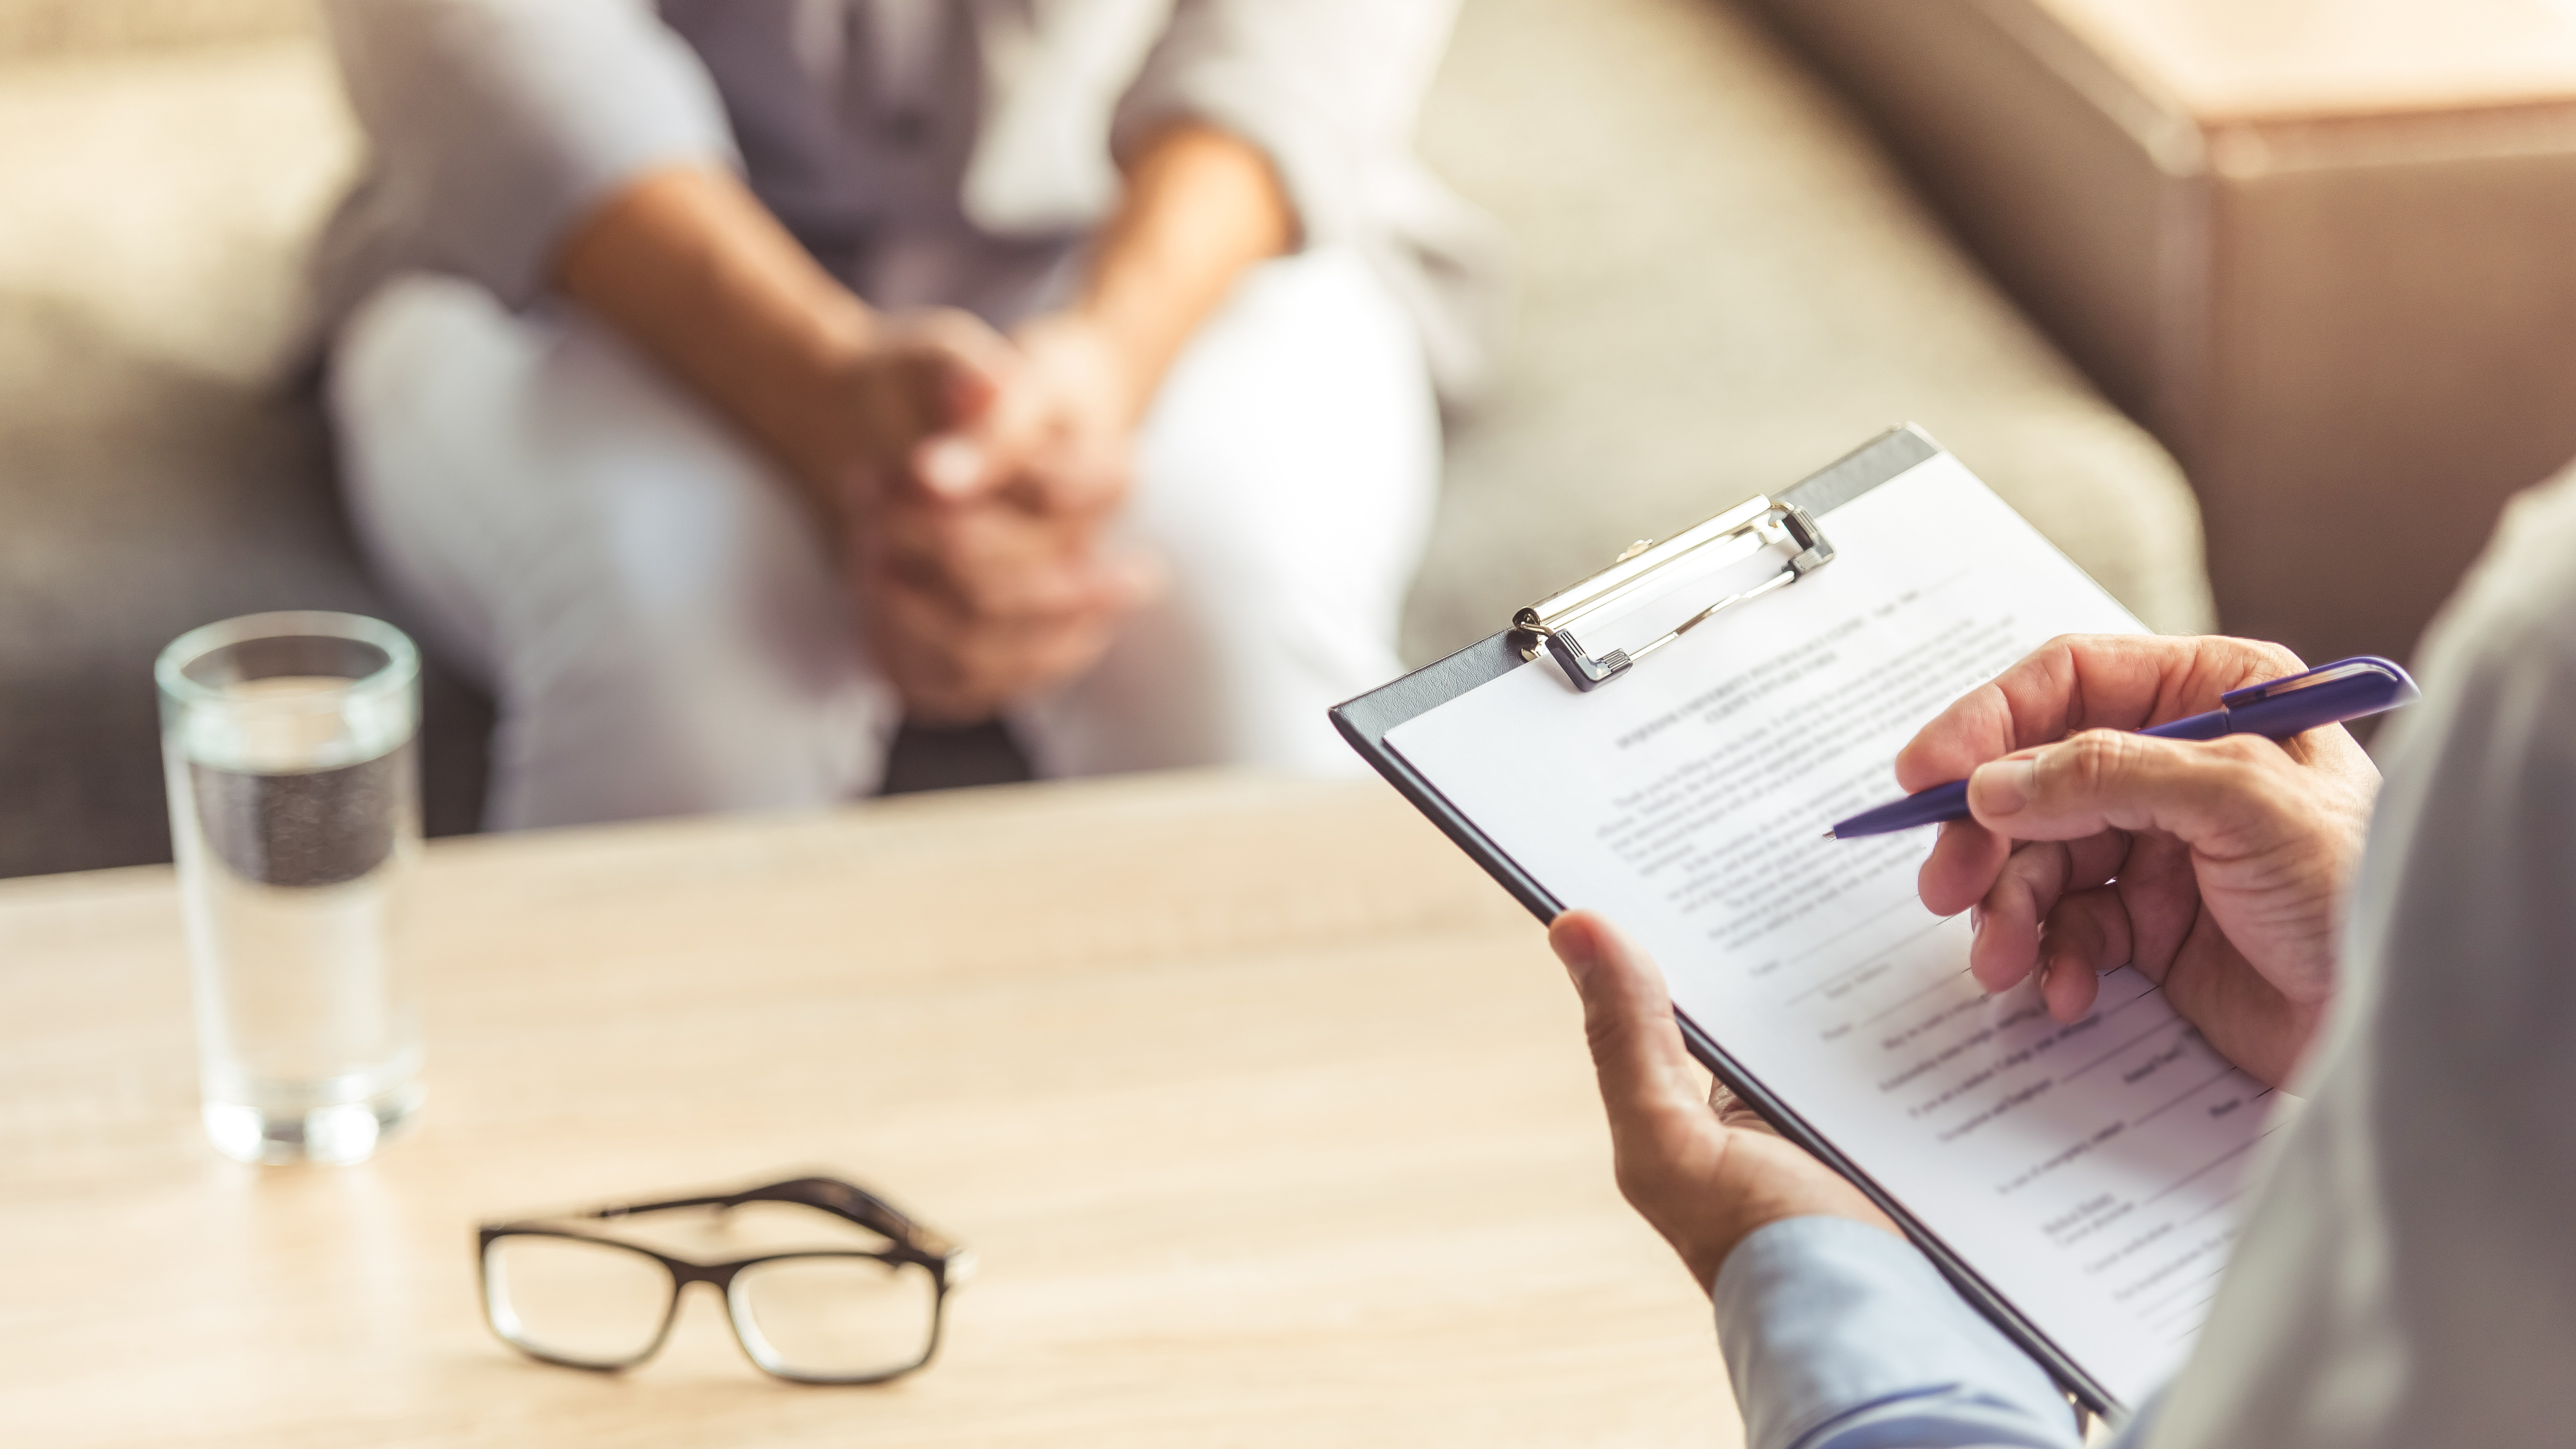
289	744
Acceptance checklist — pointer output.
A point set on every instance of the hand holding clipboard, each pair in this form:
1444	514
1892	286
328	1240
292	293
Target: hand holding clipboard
1797	642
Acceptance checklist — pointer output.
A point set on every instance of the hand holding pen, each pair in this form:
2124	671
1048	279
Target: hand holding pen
2276	709
2215	866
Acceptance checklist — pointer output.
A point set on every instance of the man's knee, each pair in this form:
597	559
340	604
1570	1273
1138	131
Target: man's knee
677	676
411	344
1296	443
656	612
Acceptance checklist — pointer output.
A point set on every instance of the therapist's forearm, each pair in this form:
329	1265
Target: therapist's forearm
1201	207
1838	1336
690	267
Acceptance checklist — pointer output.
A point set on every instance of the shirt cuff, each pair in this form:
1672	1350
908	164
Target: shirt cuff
1311	171
1839	1335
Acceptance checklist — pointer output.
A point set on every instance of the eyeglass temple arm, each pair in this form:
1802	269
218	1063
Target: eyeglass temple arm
831	1194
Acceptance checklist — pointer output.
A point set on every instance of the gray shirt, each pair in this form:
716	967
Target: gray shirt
926	151
2406	1275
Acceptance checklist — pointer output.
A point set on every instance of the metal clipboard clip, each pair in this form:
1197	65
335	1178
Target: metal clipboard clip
1738	533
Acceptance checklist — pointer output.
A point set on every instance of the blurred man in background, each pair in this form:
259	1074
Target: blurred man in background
729	380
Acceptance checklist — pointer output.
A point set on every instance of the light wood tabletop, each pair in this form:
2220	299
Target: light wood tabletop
1267	1115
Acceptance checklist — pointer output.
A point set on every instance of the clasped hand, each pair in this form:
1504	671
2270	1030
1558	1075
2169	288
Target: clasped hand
2216	869
974	518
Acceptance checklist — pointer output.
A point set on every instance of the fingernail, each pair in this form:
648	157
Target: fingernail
1976	919
2004	786
1574	948
949	465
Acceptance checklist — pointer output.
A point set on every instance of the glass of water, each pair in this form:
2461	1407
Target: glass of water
289	744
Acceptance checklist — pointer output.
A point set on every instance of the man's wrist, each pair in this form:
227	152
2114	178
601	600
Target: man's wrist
1758	1180
689	266
1202	206
1121	361
822	431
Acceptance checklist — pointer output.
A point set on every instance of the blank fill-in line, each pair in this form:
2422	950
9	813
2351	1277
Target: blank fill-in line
1863	964
2177	1185
2185	1097
2224	1202
2166	1304
1872	958
2152	990
1913	995
2124	1046
2187	1326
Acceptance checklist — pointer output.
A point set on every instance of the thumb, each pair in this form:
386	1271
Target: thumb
953	366
969	383
2201	792
1637	1050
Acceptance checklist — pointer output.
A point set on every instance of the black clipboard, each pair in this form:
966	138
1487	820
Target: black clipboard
1364	722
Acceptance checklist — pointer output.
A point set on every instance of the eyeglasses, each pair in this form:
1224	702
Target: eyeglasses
810	1315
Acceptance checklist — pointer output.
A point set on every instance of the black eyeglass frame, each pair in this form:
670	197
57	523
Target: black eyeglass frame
949	1265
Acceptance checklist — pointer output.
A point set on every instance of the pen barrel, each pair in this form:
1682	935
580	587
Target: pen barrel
2295	712
1923	807
2327	694
2302	710
2208	726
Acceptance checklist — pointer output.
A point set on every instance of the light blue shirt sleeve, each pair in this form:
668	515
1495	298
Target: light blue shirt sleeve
1840	1336
494	126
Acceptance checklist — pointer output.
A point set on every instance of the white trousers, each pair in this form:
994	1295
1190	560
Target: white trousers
664	633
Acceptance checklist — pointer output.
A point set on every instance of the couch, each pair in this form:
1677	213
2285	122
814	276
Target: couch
1722	285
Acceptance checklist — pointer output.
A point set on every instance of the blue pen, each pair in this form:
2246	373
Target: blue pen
2278	709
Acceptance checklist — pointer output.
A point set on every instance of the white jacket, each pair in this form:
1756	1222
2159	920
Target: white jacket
928	151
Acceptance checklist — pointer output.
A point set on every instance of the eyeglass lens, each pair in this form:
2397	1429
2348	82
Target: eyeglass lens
594	1304
836	1316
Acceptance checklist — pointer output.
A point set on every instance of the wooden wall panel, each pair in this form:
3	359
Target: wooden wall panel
2356	331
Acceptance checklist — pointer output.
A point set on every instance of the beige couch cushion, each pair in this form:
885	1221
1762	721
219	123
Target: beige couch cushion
1726	286
36	28
154	472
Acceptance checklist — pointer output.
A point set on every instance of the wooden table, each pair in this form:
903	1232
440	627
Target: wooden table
1268	1116
2320	247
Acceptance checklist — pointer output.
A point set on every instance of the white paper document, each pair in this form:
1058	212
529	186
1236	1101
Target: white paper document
2084	1171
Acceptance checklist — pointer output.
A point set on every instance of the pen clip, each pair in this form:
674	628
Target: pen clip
2401	687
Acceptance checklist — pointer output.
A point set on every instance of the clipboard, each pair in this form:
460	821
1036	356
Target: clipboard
1799	520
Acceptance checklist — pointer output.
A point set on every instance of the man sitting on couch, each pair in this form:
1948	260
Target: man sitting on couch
616	420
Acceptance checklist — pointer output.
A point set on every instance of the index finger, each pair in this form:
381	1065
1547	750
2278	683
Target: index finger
2085	681
1078	477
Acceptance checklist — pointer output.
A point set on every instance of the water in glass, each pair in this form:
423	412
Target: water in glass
294	803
